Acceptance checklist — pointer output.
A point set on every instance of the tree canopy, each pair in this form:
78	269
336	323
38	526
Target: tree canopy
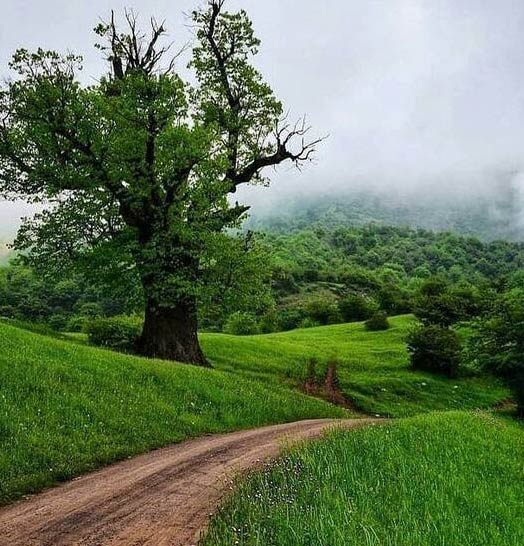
140	167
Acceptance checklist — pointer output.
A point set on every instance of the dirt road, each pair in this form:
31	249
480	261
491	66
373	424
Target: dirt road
163	498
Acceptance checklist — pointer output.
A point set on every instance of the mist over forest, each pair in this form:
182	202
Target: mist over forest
489	213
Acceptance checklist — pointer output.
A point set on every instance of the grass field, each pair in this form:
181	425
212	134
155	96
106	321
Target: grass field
454	479
66	408
373	370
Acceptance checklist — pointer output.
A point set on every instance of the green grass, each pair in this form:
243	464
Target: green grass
66	408
453	479
373	368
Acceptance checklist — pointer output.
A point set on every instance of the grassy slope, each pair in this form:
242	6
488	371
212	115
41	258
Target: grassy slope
373	369
455	479
66	408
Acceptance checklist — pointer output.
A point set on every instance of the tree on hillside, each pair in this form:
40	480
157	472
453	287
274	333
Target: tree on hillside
141	165
440	303
434	345
497	344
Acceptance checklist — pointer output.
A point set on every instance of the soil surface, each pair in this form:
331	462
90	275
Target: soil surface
163	498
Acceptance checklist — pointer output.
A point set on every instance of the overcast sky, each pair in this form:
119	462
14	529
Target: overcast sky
412	92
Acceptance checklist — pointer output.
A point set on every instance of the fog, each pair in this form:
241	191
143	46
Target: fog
418	96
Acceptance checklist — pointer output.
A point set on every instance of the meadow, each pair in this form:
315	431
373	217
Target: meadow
66	408
372	367
443	478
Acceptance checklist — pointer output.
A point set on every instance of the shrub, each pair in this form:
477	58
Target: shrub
322	310
120	333
308	322
269	322
76	324
241	324
290	318
435	349
355	307
378	322
7	311
57	322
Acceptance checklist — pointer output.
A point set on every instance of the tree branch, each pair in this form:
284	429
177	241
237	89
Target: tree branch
216	7
284	136
133	51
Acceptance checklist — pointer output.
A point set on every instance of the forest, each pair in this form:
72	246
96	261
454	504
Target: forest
302	277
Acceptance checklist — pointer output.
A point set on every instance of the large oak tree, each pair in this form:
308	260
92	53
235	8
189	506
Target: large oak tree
143	160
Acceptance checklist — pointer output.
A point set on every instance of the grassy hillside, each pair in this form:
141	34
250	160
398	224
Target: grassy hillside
373	369
455	479
66	408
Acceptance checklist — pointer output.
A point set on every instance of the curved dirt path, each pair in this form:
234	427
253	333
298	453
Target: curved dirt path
163	498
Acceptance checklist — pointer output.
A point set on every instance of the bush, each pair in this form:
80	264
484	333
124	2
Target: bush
354	308
7	311
269	323
308	322
290	318
119	333
58	323
378	322
241	324
322	310
435	349
76	324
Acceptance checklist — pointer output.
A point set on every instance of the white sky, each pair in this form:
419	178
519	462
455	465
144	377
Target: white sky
414	93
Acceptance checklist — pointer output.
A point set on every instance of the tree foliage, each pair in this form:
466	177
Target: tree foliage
497	344
141	166
435	349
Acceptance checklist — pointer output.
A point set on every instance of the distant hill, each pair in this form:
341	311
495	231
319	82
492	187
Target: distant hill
486	217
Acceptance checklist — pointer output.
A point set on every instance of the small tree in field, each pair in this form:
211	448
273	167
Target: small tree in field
435	349
434	345
378	322
141	166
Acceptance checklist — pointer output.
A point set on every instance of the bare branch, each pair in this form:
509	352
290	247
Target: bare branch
216	7
135	51
285	135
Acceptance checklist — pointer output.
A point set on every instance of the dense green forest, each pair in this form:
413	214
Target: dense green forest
303	277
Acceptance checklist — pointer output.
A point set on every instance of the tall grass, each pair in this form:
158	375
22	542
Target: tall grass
436	480
66	408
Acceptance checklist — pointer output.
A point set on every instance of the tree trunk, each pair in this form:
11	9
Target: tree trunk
170	333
